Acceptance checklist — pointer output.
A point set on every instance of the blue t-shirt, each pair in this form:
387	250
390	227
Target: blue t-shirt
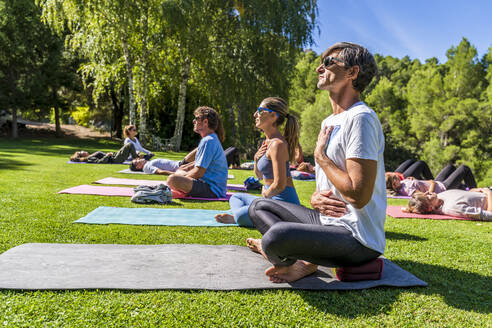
210	156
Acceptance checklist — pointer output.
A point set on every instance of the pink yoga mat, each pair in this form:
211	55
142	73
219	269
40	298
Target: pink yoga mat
137	182
124	191
396	212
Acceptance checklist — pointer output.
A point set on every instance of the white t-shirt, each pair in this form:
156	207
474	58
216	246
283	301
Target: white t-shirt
465	203
162	164
357	133
137	145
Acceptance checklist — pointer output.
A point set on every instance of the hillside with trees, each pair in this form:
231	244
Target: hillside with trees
151	63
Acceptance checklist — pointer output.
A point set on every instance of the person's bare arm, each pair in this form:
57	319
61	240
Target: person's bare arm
190	157
163	172
187	167
488	193
327	204
432	185
279	155
357	184
196	173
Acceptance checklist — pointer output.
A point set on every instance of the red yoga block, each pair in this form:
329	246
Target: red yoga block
370	271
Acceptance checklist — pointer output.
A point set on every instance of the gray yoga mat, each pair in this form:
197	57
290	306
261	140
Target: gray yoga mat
152	267
128	171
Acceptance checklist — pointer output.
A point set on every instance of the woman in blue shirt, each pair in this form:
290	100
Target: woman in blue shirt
271	160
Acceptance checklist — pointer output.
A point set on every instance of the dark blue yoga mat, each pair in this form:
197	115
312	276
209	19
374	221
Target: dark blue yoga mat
154	216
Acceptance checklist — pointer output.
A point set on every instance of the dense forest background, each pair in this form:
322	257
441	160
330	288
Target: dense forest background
108	63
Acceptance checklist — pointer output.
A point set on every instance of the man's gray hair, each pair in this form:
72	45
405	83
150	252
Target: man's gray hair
355	55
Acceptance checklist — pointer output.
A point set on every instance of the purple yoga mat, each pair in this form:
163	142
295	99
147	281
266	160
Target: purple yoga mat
398	197
396	212
125	192
140	182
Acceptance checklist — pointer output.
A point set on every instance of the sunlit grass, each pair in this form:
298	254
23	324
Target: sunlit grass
454	257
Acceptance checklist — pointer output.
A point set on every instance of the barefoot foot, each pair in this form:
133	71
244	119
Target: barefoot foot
225	218
255	246
296	271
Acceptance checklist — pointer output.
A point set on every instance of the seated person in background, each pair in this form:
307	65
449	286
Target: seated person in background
475	204
271	161
306	167
232	156
162	165
449	178
100	157
298	158
207	178
130	132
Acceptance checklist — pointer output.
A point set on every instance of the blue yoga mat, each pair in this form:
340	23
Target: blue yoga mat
154	216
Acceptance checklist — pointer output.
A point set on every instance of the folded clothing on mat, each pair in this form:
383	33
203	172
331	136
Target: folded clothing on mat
160	194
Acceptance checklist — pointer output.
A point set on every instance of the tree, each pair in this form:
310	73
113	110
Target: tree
303	89
311	119
33	66
112	35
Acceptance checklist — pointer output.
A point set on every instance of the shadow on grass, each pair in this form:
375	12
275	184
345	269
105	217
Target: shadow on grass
57	147
12	164
459	289
403	236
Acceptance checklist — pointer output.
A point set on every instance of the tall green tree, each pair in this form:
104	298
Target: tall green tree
112	35
33	66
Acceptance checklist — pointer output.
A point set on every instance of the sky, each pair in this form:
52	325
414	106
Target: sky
417	28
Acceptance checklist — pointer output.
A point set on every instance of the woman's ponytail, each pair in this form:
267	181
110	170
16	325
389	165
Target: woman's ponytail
291	135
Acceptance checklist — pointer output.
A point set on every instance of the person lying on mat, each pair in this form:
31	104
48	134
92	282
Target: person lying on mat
450	177
271	160
346	226
207	178
100	157
475	204
130	132
163	166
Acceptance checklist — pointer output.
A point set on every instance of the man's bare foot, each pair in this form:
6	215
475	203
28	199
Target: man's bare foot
255	246
296	271
225	218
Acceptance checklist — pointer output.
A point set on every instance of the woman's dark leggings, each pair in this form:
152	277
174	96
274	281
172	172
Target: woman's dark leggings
293	232
452	177
417	169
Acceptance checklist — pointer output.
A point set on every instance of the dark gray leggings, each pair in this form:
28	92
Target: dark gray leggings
293	232
453	177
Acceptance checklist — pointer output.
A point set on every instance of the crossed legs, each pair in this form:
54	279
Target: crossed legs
295	241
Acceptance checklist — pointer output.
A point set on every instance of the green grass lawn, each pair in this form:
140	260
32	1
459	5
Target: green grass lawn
454	257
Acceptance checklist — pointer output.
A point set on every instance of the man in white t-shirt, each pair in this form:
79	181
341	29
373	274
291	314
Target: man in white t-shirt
163	166
346	226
